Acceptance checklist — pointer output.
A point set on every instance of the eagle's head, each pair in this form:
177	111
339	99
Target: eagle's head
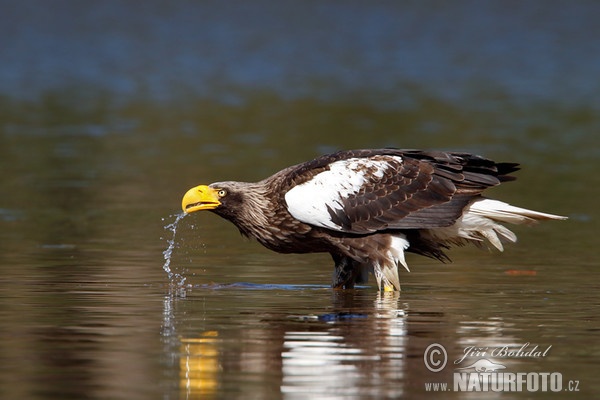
242	203
203	197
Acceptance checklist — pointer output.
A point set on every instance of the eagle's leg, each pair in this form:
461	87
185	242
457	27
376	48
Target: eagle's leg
346	272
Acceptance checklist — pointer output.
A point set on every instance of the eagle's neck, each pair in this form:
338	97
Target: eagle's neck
249	207
256	214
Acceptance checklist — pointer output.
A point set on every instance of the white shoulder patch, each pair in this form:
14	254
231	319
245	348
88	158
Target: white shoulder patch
310	201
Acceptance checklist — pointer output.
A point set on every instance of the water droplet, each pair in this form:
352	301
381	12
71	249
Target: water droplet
176	279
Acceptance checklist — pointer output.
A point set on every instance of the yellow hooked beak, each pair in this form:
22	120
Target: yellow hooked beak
200	198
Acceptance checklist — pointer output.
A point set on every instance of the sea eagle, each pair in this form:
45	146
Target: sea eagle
368	207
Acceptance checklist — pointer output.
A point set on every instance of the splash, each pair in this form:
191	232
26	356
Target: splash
177	280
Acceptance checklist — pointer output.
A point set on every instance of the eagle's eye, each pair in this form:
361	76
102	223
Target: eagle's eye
222	193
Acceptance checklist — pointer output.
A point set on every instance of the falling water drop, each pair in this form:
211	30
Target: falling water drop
176	279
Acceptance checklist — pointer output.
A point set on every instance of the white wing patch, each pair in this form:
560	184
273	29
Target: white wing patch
310	202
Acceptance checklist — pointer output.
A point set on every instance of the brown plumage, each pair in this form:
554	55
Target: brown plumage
366	207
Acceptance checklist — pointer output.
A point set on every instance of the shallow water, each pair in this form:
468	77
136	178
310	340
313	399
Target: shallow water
109	113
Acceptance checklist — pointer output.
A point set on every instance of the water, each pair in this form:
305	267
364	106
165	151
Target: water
110	112
177	279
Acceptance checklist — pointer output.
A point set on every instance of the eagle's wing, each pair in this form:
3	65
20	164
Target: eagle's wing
368	191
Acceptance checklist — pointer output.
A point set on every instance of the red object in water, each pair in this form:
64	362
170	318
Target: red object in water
520	272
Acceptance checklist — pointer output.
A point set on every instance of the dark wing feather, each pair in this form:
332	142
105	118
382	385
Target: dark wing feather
424	190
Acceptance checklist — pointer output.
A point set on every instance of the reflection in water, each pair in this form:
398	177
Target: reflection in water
317	363
333	355
492	332
478	355
318	343
199	365
330	364
480	340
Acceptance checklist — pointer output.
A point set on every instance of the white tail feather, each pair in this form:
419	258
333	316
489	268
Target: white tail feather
503	212
480	221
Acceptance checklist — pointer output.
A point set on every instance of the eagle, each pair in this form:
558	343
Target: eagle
368	207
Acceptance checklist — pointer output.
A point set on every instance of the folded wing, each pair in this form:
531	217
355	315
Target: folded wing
368	191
